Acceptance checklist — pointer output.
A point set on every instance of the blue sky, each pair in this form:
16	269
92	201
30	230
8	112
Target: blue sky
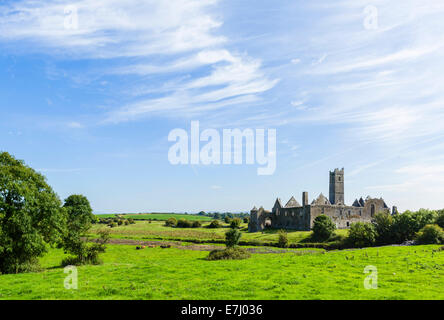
353	84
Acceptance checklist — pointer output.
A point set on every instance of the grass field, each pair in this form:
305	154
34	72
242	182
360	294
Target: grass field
157	231
414	272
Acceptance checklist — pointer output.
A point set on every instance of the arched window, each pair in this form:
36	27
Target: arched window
372	210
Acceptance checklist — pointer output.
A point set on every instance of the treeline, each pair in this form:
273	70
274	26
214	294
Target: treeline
222	216
421	227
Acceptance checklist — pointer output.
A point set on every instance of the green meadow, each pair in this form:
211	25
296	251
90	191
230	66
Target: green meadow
415	272
156	216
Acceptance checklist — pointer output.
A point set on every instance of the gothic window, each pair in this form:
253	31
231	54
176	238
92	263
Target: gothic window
372	210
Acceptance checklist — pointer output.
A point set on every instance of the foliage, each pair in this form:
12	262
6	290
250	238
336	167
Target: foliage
430	234
247	220
440	218
323	228
88	253
171	222
227	220
215	224
383	223
361	234
283	239
30	215
235	223
407	224
232	238
196	224
229	254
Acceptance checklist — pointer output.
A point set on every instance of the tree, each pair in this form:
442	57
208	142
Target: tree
362	234
407	224
440	218
383	223
79	219
30	215
171	222
235	223
323	227
232	238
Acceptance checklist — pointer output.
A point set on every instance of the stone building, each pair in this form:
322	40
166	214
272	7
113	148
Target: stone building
296	216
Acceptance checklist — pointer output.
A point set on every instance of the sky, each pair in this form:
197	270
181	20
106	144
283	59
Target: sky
90	91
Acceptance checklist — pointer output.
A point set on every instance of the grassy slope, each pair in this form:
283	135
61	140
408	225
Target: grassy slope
404	273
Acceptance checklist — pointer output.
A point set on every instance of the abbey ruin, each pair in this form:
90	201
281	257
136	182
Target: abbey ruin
301	216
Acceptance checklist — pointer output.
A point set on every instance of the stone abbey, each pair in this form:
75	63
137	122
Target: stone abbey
298	216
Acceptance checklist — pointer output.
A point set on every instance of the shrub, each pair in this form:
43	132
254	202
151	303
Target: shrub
196	224
283	239
171	222
127	222
440	218
215	224
246	220
183	223
131	221
232	238
87	253
227	220
229	254
384	223
430	234
120	222
361	234
112	225
323	228
235	223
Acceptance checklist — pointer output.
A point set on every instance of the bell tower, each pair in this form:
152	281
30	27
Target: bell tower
337	186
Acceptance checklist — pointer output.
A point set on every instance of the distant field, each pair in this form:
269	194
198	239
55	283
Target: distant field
156	216
156	230
414	272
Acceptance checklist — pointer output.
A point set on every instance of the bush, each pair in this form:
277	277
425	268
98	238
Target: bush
131	221
196	224
112	225
283	239
120	222
227	220
323	228
87	253
127	222
229	254
361	234
232	238
430	234
215	224
246	220
171	222
383	223
183	223
235	223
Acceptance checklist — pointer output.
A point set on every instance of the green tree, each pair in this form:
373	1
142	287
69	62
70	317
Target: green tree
323	227
171	222
384	223
362	234
440	218
232	238
79	219
235	223
30	215
407	224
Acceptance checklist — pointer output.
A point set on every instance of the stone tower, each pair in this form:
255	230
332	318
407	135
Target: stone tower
337	186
